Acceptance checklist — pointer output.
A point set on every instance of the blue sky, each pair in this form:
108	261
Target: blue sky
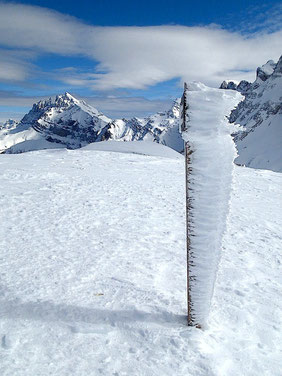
129	57
150	12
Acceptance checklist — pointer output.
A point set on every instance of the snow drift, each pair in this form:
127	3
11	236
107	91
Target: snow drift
211	153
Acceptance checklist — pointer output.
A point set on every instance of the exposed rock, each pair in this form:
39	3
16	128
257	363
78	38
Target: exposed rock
259	142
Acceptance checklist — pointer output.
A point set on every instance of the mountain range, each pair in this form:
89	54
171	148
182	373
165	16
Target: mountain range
68	122
72	123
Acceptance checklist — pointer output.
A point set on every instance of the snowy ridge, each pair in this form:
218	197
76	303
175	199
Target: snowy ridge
162	127
209	185
135	147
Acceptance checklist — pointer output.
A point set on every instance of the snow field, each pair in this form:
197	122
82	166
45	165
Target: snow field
81	224
245	324
93	270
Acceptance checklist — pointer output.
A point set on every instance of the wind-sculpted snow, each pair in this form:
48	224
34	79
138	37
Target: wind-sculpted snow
209	184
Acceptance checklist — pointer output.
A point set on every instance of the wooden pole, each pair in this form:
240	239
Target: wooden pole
184	128
188	207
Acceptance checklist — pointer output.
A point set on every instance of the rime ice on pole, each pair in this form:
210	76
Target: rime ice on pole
212	151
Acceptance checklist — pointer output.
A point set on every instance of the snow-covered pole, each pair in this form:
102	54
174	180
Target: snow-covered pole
209	155
184	128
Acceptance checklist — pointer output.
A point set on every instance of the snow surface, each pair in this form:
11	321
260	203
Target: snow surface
209	184
26	140
93	270
135	147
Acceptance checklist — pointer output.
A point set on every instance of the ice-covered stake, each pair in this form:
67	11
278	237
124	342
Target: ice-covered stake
210	152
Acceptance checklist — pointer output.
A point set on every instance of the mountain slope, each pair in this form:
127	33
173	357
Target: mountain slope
259	142
8	125
162	127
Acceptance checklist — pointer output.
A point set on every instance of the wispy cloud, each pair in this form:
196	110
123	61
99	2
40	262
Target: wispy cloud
112	106
261	19
134	57
127	107
15	65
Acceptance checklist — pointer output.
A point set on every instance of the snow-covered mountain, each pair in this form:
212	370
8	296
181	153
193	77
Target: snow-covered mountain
162	127
69	122
9	124
259	142
72	123
66	121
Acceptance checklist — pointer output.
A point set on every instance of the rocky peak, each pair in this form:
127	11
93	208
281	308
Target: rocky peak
65	100
278	68
266	70
262	74
175	109
243	86
231	85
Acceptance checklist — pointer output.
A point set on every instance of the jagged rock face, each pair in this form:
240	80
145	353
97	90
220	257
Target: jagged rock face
242	87
231	85
66	120
262	99
162	127
264	72
259	142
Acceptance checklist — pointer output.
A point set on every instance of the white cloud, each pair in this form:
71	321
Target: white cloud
128	107
15	65
41	29
137	57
